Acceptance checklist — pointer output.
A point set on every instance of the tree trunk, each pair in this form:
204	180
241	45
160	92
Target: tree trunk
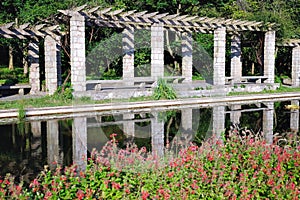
11	58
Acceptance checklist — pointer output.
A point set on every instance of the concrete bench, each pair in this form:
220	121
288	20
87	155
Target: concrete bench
19	87
248	79
135	83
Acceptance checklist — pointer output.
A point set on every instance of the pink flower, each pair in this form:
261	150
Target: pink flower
170	174
80	194
145	195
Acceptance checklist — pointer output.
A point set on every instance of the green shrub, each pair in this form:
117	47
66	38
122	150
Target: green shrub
164	90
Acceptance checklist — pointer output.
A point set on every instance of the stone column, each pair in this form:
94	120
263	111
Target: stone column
268	117
53	144
157	51
236	58
77	44
52	64
128	124
235	114
79	135
218	121
187	56
219	56
34	68
128	55
295	66
269	56
294	121
157	135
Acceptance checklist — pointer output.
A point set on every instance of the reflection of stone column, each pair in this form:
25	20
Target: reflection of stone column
79	134
157	135
128	124
187	56
36	142
34	68
187	119
157	51
53	143
236	60
219	56
295	66
77	45
218	120
268	117
269	56
128	55
52	63
36	128
294	121
235	114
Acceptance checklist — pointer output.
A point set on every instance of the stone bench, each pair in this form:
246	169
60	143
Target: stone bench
247	79
135	83
19	87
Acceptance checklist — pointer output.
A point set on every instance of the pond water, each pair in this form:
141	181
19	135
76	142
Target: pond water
26	147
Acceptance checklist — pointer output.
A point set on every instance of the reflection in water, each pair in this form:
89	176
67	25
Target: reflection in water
27	147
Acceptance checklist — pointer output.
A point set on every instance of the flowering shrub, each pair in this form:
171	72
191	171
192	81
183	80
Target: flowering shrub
229	169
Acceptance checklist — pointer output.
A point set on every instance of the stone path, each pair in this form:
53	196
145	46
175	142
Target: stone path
19	96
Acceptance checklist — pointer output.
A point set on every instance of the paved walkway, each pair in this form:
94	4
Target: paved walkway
19	96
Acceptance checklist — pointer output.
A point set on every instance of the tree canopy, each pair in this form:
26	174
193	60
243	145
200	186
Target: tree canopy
285	13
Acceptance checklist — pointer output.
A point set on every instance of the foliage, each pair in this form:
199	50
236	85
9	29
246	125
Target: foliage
237	168
163	90
10	77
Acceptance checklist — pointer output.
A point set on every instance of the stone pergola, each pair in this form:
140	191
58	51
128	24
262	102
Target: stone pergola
34	34
156	23
295	45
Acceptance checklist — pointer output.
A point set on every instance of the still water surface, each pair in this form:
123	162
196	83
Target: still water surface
26	147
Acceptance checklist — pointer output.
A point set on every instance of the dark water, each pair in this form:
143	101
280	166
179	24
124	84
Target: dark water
26	147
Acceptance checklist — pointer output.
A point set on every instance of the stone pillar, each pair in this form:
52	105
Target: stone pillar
268	117
157	51
269	56
294	121
219	56
34	68
218	121
79	135
157	136
236	58
128	55
235	114
52	64
295	66
128	124
53	143
77	44
187	56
